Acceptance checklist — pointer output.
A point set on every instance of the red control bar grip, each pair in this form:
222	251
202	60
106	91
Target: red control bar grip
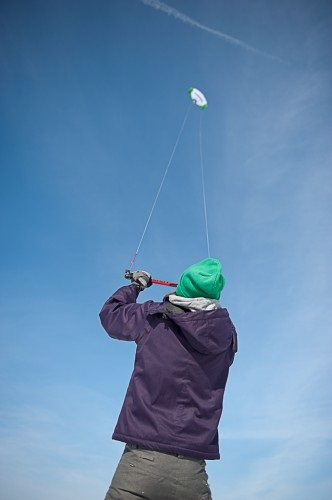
165	283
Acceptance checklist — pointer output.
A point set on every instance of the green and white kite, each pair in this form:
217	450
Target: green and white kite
198	97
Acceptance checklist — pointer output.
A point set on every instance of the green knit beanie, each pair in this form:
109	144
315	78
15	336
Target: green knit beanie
203	279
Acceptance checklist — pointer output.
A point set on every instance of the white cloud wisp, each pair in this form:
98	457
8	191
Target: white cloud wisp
157	5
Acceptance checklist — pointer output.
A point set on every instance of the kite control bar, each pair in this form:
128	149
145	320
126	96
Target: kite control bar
165	283
129	275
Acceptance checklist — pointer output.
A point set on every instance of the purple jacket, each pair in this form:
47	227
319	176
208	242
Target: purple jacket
175	394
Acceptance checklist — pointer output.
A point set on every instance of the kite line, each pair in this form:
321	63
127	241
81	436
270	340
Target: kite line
160	187
203	187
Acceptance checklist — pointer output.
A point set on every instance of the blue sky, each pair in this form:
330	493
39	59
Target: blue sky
92	98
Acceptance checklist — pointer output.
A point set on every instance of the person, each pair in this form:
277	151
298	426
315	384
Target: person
171	411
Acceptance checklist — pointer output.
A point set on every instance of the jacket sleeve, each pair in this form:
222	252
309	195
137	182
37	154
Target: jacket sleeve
122	317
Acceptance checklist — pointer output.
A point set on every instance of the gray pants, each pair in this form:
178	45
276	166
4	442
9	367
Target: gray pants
153	475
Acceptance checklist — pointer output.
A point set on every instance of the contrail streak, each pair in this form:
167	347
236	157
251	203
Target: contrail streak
157	5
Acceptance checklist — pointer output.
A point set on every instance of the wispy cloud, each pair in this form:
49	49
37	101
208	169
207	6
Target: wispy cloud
67	444
282	406
166	9
286	473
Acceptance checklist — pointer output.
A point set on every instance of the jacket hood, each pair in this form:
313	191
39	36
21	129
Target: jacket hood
207	332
